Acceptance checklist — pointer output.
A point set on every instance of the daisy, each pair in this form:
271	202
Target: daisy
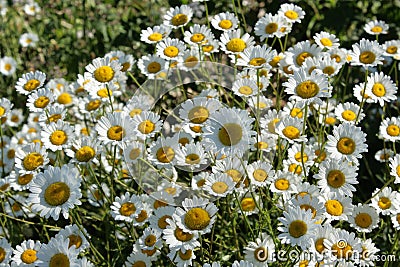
360	92
191	157
245	87
14	118
219	185
104	70
234	167
75	235
199	109
342	247
40	99
197	34
137	104
196	215
98	195
170	49
99	91
389	129
233	42
146	124
392	49
150	239
368	253
126	60
366	53
5	107
28	39
8	66
290	129
58	253
394	164
162	152
294	109
396	220
225	21
126	207
25	253
30	158
307	88
176	238
84	150
57	136
383	155
291	12
260	173
190	60
326	40
22	181
30	81
364	218
302	50
270	26
134	151
328	65
54	112
298	227
301	154
256	57
182	257
261	251
317	248
5	252
347	142
178	16
306	189
349	113
249	204
55	190
138	259
115	128
284	183
31	8
381	88
152	66
155	34
338	54
376	27
337	207
385	201
212	46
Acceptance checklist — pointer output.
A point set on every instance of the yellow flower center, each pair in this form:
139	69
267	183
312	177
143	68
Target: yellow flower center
298	157
2	111
207	48
319	245
198	114
104	92
185	256
162	222
363	220
139	263
291	132
378	89
115	133
41	102
153	67
7	66
182	236
192	159
346	145
302	57
235	175
245	90
236	45
282	184
398	170
219	187
349	115
134	112
28	256
32	161
367	57
225	24
261	145
58	137
342	251
334	207
261	254
104	74
384	203
230	134
295	168
171	51
59	260
24	179
179	19
165	154
330	120
197	219
93	105
329	70
296	112
307	89
309	207
64	99
127	209
16	207
336	57
326	41
150	240
57	193
75	240
155	37
31	85
125	66
297	228
4	187
260	175
376	29
336	178
85	153
142	216
291	14
184	141
391	49
191	61
201	182
146	127
393	130
197	37
134	153
398	218
303	263
271	28
248	204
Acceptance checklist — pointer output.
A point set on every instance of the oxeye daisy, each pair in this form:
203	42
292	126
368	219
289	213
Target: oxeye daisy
284	183
234	167
291	12
176	238
342	247
28	39
84	150
137	104
55	190
338	54
134	151
159	218
57	253
376	27
102	91
53	113
245	87
31	8
381	88
126	207
40	99
294	109
14	118
198	110
383	155
25	254
360	92
290	129
57	136
326	40
249	204
304	189
115	128
260	173
396	220
152	66
225	21
190	60
155	34
150	239
196	215
104	70
386	201
170	49
182	257
75	235
337	207
17	206
349	112
270	26
98	195
233	42
394	164
212	46
346	142
197	34
256	57
317	248
5	252
219	185
5	186
138	259
5	107
126	60
328	65
302	50
162	152
389	129
298	227
369	252
30	158
191	156
366	53
8	66
301	154
364	218
22	181
146	124
261	251
178	16
392	49
30	81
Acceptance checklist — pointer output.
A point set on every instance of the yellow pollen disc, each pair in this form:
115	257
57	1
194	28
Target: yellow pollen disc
297	228
182	236
139	263
384	203
142	216
287	70
282	184
198	114
11	154
326	41
14	118
127	209
336	57
93	105
64	99
75	240
295	168
150	252
393	130
153	67
32	161
236	45
367	57
363	220
398	218
197	37
398	170
31	85
346	145
298	157
41	102
115	133
171	51
104	92
309	207
378	89
150	240
201	182
192	159
24	179
155	37
235	175
146	127
197	219
16	207
261	145
225	24
191	61
245	90
330	120
329	70
296	112
170	190
336	178
58	138
185	256
342	252
334	207
271	28
291	14
165	154
261	254
134	154
7	66
319	245
207	48
59	260
2	111
291	132
104	74
85	153
134	112
162	222
57	193
307	89
230	134
219	187
376	29
302	57
349	115
179	19
275	60
391	49
260	175
248	204
303	263
4	187
28	256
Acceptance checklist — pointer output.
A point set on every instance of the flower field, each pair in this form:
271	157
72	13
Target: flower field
199	133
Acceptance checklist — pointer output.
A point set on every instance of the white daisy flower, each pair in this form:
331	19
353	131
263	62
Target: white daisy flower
304	189
31	8
270	26
338	54
376	27
137	104
55	191
22	181
25	254
190	60
14	118
191	156
126	207
97	196
6	251
366	53
396	220
17	207
386	201
199	109
146	124
260	102
170	49
58	252
292	13
134	151
5	107
317	248
260	173
126	60
75	235
234	167
261	251
178	16
245	87
150	239
40	99
54	112
337	207
328	65
104	70
30	159
198	34
326	40
176	238
284	183
30	81
219	185
182	257
302	50
158	220
115	128
163	151
8	66
249	204
153	66
155	34
369	252
360	92
394	164
138	259
233	42
212	46
389	129
57	136
381	88
28	39
225	21
290	129
383	155
103	91
349	112
364	218
301	154
342	247
84	150
392	49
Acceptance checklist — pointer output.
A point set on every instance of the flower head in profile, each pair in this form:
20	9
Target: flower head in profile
376	27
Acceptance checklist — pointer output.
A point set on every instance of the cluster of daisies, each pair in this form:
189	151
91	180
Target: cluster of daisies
285	158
